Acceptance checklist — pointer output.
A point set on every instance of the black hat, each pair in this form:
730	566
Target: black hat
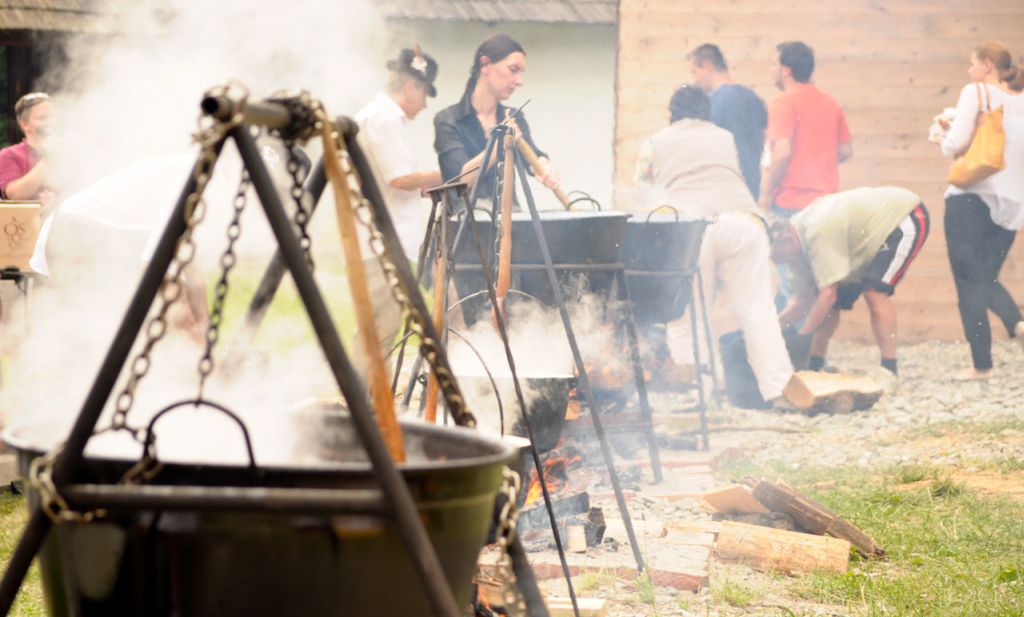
419	65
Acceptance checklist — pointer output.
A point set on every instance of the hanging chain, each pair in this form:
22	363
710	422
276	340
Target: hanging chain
52	503
303	209
429	346
505	535
209	134
228	259
306	115
172	288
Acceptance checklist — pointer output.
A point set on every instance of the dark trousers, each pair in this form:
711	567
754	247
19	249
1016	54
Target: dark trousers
977	248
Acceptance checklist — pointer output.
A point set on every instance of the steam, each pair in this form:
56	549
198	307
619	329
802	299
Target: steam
132	100
540	349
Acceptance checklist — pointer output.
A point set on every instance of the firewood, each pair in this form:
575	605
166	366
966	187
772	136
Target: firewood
576	538
589	607
536	516
767	549
814	392
733	498
644	528
813	517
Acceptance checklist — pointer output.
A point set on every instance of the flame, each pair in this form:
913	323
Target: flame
556	473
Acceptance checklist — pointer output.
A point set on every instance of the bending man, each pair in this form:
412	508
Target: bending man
841	246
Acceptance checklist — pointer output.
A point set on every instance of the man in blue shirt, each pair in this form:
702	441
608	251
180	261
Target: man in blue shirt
734	107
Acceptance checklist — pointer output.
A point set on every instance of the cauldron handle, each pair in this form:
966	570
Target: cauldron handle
487	371
489	214
662	207
582	197
149	460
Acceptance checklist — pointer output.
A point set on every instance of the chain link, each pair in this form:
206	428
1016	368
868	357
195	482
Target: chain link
52	503
505	535
228	259
429	347
303	209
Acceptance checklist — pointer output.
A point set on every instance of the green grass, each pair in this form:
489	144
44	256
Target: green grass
645	589
950	551
733	593
13	515
591	581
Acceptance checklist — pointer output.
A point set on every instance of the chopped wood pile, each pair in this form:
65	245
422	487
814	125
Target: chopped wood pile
817	392
794	533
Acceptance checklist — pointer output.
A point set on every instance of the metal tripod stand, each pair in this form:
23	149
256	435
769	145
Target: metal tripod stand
232	121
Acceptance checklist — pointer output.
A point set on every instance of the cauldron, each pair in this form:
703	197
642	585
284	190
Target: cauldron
547	399
660	254
574	238
227	563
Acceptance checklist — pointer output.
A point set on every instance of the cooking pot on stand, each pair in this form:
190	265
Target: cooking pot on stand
259	562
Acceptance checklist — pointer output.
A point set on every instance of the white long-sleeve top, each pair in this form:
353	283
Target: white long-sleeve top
1002	192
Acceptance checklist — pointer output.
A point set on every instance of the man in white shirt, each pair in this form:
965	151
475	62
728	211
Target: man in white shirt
383	134
383	126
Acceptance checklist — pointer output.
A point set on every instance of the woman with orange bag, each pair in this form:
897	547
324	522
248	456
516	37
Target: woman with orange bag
983	217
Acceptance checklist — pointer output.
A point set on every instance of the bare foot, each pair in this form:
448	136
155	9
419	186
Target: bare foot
973	374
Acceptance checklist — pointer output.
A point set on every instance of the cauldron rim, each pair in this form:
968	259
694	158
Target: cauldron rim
501	452
560	215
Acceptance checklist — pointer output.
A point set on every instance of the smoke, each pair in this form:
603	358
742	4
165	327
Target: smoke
540	349
131	101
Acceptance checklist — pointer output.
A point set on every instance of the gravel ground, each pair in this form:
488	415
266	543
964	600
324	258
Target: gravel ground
931	420
897	430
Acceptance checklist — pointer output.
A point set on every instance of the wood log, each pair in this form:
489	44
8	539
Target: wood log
536	516
812	391
763	548
644	528
733	498
576	538
589	607
813	517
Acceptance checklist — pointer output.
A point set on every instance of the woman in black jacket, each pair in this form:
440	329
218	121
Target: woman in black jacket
461	130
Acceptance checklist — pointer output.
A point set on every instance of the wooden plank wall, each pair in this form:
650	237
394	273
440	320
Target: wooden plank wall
891	64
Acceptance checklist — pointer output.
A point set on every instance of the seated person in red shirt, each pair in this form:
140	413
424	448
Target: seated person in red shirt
23	166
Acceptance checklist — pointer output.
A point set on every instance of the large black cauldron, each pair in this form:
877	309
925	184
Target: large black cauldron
242	563
574	238
660	254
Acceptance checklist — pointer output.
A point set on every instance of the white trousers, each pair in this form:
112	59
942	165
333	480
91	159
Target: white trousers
736	266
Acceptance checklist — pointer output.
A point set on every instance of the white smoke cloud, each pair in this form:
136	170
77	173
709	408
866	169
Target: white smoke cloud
135	97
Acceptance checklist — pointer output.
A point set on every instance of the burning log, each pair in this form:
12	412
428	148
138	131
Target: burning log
556	473
536	518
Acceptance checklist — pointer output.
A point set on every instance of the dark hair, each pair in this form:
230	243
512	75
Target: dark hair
689	102
999	55
496	48
708	52
799	58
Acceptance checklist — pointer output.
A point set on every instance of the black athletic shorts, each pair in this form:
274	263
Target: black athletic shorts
892	260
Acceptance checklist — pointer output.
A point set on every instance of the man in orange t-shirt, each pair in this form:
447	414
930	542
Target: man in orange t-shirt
807	136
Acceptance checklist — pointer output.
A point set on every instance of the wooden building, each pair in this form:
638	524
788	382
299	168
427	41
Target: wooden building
891	64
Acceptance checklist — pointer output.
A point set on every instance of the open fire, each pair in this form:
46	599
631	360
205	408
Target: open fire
556	466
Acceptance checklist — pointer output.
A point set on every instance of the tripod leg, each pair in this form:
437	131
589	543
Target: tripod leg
581	369
638	374
702	403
